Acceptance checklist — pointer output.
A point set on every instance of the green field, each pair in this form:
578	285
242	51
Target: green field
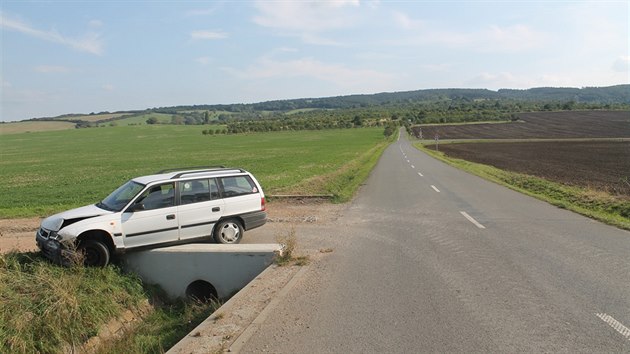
142	119
34	126
46	172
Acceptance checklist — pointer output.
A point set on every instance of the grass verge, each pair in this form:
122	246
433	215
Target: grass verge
594	204
46	308
343	182
162	328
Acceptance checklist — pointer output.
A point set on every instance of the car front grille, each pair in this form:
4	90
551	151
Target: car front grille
44	233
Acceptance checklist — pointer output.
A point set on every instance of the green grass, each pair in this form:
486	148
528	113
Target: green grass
161	329
142	119
47	172
44	307
594	204
34	126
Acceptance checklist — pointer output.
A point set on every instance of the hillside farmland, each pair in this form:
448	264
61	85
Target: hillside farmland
539	125
599	165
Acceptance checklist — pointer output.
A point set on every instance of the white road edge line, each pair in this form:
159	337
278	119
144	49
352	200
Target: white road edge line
616	325
470	218
435	188
420	174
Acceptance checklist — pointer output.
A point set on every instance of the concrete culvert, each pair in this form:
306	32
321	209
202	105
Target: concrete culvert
201	290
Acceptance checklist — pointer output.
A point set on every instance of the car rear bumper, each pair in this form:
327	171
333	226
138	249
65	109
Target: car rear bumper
254	220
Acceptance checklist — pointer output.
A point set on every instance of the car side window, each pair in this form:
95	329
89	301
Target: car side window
160	196
237	185
195	191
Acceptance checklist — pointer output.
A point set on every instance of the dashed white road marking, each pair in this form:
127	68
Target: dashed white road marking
470	218
412	166
435	188
616	325
420	174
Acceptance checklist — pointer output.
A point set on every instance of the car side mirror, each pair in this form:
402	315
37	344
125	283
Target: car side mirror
136	207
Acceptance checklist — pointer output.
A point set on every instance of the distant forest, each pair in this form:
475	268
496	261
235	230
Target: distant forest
619	94
406	108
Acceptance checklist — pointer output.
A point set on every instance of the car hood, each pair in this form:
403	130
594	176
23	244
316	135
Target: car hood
57	221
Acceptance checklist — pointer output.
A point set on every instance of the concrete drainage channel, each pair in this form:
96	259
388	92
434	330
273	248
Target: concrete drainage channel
205	270
202	270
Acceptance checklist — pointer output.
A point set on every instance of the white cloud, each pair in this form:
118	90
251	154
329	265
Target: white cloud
211	35
200	12
498	80
493	38
338	74
90	42
108	87
96	24
203	60
306	16
405	22
442	67
557	79
622	64
52	69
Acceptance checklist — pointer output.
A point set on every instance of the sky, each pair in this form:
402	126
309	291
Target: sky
61	57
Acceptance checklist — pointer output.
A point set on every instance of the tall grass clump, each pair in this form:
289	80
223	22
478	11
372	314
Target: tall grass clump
289	243
45	308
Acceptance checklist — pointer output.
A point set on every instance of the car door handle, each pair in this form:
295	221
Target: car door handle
216	209
170	217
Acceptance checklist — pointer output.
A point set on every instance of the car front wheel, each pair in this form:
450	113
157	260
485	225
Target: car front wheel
95	253
228	232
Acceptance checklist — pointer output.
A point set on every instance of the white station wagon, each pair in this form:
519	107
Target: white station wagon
171	207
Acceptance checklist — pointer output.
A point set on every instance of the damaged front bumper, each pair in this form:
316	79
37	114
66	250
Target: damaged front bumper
53	249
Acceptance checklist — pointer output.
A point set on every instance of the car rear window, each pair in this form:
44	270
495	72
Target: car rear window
237	185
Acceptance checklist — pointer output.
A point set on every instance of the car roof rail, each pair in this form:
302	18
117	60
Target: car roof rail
206	170
199	169
175	169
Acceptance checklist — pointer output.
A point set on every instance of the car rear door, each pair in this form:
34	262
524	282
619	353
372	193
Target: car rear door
200	207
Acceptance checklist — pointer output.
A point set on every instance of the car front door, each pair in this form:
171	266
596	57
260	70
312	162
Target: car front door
152	219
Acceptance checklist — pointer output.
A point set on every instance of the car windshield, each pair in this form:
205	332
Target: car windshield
121	196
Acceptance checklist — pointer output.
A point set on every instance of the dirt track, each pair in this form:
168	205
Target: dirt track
19	234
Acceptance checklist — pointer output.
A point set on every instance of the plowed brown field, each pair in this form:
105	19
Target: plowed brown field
600	165
540	125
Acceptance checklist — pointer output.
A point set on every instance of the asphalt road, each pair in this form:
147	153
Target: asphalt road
431	259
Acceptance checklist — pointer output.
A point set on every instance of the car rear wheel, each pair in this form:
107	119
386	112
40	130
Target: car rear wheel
228	232
95	253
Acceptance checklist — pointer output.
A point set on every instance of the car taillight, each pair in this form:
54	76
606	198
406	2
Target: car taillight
263	207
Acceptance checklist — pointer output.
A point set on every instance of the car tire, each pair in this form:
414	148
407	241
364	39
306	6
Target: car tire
228	232
95	253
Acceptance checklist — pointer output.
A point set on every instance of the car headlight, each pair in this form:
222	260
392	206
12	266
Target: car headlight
55	236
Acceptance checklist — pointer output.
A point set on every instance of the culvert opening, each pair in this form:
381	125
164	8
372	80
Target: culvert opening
201	290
